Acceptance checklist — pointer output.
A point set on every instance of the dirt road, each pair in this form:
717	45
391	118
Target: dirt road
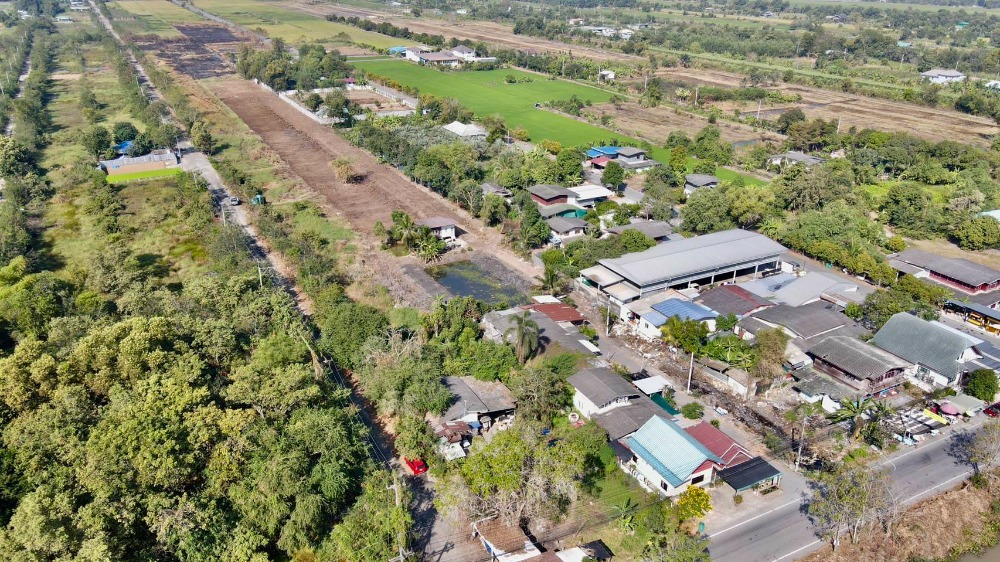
308	148
854	110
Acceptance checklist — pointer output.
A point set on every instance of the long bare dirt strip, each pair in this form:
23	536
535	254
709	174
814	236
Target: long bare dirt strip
854	110
308	148
487	32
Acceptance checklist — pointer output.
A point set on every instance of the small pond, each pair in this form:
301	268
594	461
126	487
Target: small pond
467	279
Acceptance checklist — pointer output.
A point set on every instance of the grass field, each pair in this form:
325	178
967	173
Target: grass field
147	175
293	27
486	93
154	16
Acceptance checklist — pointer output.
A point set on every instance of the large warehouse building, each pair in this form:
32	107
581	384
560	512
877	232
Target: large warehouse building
701	260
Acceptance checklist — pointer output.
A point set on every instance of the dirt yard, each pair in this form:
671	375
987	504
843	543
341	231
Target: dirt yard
853	110
200	53
375	101
655	123
308	147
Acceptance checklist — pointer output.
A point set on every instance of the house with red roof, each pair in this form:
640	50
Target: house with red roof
721	445
558	312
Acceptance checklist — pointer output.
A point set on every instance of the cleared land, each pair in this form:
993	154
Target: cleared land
857	111
199	52
656	123
292	26
488	32
152	16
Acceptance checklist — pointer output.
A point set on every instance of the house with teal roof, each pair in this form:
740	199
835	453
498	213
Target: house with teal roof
667	459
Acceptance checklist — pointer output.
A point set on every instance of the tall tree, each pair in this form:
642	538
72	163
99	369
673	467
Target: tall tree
524	334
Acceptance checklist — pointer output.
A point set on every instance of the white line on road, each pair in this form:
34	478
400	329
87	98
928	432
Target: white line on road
717	533
946	482
798	550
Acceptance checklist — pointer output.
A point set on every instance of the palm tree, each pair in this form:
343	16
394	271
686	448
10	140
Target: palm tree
525	335
853	411
550	279
405	230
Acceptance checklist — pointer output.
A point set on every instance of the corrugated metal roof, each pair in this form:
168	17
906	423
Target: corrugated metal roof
968	272
746	475
921	342
857	358
601	275
602	385
694	256
807	321
686	310
546	191
653	229
561	225
670	450
700	180
806	288
732	299
625	420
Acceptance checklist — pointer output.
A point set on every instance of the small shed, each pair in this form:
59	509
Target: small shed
442	227
754	474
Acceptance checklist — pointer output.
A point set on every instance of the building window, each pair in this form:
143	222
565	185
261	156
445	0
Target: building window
665	486
698	479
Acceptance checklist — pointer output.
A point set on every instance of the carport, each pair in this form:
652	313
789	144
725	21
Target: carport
754	474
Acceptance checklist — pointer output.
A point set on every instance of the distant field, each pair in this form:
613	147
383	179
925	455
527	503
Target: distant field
154	16
150	174
292	26
486	93
889	5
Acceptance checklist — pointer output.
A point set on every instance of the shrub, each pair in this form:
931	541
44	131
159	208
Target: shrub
738	499
715	423
693	411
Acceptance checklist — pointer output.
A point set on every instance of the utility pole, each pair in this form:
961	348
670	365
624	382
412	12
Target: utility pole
802	439
403	553
696	89
690	372
759	103
838	124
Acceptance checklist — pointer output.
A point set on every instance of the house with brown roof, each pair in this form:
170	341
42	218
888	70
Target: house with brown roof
858	364
545	194
504	543
558	312
732	299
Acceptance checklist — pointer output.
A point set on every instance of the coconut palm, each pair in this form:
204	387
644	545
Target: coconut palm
853	411
404	229
550	279
523	333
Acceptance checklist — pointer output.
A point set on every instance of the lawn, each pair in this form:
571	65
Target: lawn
294	27
154	16
486	93
149	174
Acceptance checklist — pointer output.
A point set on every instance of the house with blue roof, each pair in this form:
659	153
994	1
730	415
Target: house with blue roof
667	459
605	151
645	316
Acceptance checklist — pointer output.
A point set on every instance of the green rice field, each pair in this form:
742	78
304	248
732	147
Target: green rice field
294	27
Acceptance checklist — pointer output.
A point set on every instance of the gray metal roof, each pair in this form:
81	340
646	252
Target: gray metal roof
436	222
552	210
732	299
697	256
601	275
799	157
602	386
855	357
473	396
807	321
806	288
700	180
813	383
963	270
626	420
157	156
562	225
748	474
924	343
490	187
546	191
653	229
630	152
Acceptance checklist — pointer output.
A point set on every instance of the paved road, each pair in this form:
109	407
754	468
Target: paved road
785	533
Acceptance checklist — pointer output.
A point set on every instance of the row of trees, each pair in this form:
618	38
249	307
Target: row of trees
313	67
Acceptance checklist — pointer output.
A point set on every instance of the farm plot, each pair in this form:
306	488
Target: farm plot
486	93
656	123
294	27
853	110
198	52
158	17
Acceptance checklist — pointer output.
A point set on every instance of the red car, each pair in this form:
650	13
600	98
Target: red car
416	466
993	411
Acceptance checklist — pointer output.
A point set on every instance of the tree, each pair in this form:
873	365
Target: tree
550	279
494	209
788	118
569	166
687	334
693	503
123	131
853	499
978	233
141	145
693	411
706	211
982	383
853	411
771	345
15	158
726	322
201	138
984	447
524	333
96	140
613	175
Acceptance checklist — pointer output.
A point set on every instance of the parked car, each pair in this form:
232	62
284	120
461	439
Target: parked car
416	466
233	201
993	411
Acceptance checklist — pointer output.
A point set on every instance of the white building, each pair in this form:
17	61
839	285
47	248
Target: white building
468	131
442	227
942	76
601	390
588	194
465	53
666	459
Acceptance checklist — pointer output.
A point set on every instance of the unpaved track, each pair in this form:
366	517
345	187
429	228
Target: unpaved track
308	148
855	110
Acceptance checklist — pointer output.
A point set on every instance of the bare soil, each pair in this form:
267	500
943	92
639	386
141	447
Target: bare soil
308	147
488	32
928	531
200	53
375	101
655	123
853	110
